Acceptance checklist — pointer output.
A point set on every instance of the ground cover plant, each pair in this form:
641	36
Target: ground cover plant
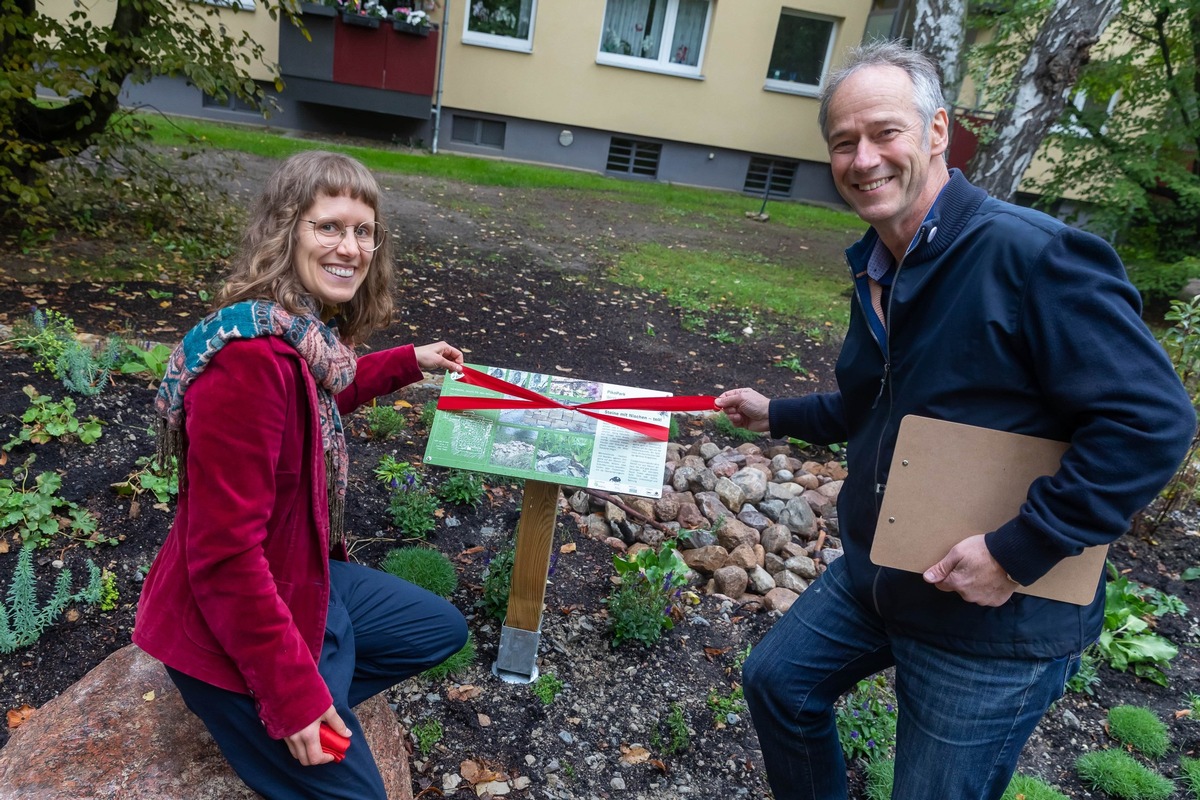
518	275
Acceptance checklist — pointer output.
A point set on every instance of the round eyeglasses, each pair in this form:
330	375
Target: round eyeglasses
330	232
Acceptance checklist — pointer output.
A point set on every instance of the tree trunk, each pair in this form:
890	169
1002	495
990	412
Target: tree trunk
1040	92
939	31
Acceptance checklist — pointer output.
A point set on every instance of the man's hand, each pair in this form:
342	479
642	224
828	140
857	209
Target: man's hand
747	409
970	570
439	356
305	744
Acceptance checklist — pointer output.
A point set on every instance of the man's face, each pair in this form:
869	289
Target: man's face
880	153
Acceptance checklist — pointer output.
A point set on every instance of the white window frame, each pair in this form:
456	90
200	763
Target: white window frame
805	89
1078	101
662	64
498	42
244	5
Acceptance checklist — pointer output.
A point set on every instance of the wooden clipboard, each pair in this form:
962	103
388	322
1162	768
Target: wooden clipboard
949	481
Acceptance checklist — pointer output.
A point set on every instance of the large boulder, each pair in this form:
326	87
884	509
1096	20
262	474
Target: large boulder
123	731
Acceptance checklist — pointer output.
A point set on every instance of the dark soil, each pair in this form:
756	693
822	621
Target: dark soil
478	272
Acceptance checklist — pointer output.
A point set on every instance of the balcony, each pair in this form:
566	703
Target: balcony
365	64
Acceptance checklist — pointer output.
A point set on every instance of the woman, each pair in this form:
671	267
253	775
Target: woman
267	637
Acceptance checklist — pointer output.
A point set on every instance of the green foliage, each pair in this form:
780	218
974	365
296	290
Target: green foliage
1140	729
35	512
458	663
1126	642
148	477
546	688
792	362
881	777
423	566
724	426
45	336
1190	767
383	422
1027	787
866	720
1116	773
640	607
672	736
21	621
1087	678
723	707
47	419
151	362
85	370
428	411
461	487
497	582
428	732
411	505
740	658
108	591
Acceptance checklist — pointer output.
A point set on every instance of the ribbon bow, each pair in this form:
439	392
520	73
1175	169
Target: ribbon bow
520	397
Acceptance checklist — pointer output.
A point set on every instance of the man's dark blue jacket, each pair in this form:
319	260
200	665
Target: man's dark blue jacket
1002	317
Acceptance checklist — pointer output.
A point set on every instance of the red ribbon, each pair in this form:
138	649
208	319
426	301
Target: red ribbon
520	397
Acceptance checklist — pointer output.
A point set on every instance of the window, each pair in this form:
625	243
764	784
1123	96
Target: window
1081	105
477	131
231	103
633	157
802	51
772	177
506	24
656	35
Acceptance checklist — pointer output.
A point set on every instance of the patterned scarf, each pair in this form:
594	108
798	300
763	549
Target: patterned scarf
332	364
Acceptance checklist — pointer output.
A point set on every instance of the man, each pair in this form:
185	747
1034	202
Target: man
976	311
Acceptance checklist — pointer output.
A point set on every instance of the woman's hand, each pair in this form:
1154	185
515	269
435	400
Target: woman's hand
305	744
438	356
747	409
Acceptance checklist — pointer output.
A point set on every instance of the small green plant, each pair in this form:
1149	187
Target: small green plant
677	738
497	582
881	777
47	419
1140	729
383	422
108	591
461	487
148	478
428	410
792	362
456	664
1190	767
427	733
411	505
640	607
45	336
546	688
725	337
151	362
84	369
1193	709
1027	787
1126	642
1087	678
424	566
727	428
1115	772
21	622
35	512
740	658
866	720
569	770
724	707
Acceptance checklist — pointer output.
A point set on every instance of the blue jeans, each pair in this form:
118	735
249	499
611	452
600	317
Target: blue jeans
962	722
380	630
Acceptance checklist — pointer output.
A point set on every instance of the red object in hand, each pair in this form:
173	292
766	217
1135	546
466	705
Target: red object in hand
333	743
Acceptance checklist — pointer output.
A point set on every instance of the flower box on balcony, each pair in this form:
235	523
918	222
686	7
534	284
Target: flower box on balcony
411	30
360	20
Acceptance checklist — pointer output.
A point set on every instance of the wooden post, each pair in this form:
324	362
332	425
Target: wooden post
531	565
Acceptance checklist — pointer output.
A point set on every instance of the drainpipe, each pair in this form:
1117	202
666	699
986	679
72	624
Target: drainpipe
437	103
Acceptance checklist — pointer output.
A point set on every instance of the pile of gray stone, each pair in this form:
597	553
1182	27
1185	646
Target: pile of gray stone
756	525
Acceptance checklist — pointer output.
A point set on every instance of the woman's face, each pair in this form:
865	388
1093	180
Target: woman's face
332	274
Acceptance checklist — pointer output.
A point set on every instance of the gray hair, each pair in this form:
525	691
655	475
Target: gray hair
921	70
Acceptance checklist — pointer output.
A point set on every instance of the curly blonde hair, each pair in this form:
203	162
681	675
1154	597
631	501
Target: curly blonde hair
263	269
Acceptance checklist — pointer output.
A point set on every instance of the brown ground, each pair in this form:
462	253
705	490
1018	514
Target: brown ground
516	278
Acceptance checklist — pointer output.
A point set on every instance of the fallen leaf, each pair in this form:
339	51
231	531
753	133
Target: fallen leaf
402	404
634	755
712	652
463	693
660	766
1186	712
149	696
3	545
569	547
3	457
16	716
484	720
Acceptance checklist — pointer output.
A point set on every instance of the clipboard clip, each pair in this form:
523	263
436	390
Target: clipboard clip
880	488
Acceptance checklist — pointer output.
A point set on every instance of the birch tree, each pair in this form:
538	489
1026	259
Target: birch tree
1039	91
939	31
